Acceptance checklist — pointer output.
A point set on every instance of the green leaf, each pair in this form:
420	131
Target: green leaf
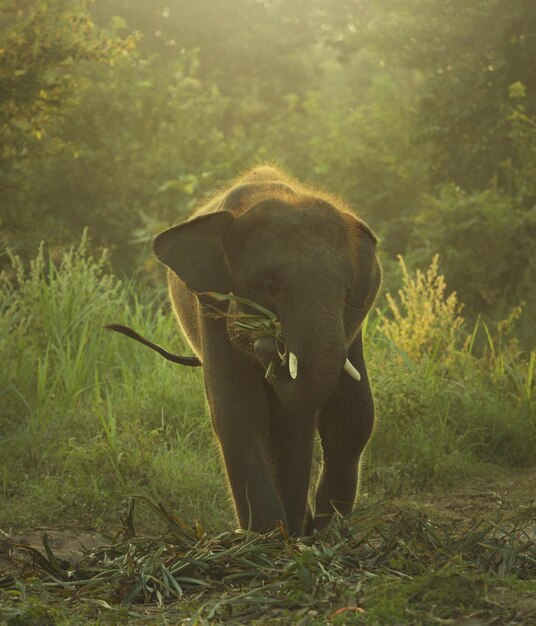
222	297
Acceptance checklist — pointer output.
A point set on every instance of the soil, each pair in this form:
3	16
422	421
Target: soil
508	496
68	544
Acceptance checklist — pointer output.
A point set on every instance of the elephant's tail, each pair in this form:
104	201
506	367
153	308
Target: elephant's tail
189	361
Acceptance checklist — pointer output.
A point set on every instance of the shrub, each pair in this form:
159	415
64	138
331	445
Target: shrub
424	323
447	411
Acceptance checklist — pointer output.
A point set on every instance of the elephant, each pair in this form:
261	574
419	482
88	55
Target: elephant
302	254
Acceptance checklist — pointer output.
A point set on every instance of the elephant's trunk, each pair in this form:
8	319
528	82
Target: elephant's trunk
315	360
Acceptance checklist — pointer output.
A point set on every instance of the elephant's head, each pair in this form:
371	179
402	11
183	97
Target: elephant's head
310	263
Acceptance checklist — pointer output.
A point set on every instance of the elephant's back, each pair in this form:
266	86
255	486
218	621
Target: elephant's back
241	198
257	184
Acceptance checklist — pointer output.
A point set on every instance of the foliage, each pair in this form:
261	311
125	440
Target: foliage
43	45
242	576
500	231
420	113
475	115
472	60
128	184
426	323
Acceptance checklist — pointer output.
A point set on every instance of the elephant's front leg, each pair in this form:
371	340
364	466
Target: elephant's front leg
241	419
247	460
345	425
291	437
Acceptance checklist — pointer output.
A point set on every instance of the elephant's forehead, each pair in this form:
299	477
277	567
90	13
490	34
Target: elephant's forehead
276	226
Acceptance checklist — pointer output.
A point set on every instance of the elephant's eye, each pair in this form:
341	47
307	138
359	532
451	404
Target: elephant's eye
270	288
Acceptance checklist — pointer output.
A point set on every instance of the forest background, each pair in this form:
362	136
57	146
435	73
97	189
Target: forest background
119	116
420	113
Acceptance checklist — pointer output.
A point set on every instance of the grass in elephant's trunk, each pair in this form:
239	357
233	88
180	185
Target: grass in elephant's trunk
252	326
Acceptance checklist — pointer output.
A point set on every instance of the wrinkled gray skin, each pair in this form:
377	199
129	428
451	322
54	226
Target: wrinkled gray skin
272	241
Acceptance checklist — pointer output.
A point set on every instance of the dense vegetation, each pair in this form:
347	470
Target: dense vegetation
99	416
120	116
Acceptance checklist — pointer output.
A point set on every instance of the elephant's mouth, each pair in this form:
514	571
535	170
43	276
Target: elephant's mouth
275	358
279	362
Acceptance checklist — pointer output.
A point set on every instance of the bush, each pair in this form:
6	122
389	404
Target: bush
486	241
425	323
446	411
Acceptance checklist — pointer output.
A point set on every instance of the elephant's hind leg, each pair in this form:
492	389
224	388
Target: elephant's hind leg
345	425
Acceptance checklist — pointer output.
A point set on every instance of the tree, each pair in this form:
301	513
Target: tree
42	44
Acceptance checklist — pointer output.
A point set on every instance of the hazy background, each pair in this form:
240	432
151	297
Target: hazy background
121	114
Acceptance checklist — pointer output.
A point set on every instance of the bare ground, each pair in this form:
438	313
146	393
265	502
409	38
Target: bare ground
507	495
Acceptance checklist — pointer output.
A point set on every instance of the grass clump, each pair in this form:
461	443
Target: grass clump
250	326
380	563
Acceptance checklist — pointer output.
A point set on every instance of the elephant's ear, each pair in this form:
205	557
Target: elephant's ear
194	251
366	266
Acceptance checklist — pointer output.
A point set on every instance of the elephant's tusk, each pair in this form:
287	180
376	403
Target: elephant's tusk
292	365
351	370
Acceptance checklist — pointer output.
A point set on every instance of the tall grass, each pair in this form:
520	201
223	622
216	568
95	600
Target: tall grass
446	410
89	417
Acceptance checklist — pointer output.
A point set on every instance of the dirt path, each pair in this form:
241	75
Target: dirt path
509	495
68	543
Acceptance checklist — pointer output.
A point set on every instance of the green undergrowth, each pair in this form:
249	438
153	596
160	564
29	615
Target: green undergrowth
89	417
452	400
381	565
